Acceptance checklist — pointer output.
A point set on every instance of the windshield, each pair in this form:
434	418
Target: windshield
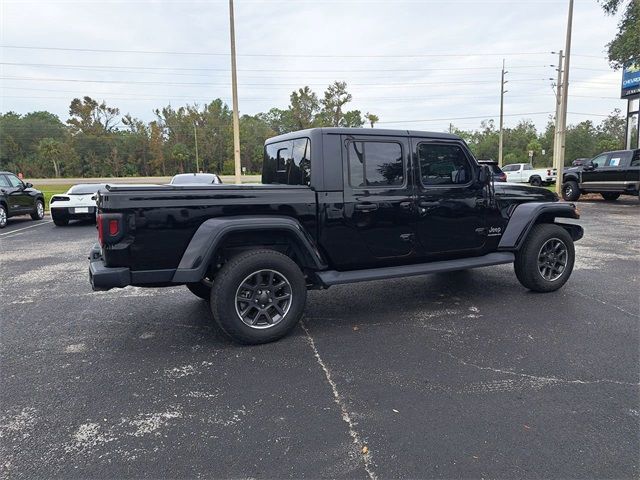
85	189
200	178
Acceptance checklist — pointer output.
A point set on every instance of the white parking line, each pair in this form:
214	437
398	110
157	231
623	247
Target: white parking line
25	228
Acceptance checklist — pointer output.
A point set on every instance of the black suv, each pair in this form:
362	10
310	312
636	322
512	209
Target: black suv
610	174
19	198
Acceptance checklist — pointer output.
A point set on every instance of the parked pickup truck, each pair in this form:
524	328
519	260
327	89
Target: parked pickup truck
525	173
610	174
335	206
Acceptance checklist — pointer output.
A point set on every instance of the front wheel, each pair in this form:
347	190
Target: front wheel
610	196
570	191
545	261
38	213
3	216
258	296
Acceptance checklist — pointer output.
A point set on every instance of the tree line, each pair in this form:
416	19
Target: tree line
98	141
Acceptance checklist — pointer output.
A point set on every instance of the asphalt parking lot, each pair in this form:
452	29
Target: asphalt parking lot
445	376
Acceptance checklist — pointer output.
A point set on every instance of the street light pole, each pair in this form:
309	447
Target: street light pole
502	92
234	88
565	98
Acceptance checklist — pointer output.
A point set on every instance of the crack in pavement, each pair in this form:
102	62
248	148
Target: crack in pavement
537	378
355	436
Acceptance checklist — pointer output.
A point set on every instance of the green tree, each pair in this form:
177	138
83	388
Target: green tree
92	118
335	98
304	108
371	118
625	47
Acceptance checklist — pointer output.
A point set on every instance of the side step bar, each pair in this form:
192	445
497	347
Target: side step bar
333	277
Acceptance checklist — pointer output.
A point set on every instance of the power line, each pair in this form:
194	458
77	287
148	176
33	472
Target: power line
165	52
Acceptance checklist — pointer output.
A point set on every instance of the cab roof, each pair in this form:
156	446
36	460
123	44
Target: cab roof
380	132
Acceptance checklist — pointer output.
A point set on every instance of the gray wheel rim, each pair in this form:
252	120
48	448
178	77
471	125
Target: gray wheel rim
568	191
263	299
552	259
3	217
40	210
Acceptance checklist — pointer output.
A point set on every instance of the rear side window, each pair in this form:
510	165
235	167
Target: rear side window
287	163
619	159
375	164
635	161
443	165
3	181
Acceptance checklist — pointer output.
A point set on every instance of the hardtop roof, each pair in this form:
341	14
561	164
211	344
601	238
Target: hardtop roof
381	132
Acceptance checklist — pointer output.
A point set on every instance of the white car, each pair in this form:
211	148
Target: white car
195	179
525	173
78	203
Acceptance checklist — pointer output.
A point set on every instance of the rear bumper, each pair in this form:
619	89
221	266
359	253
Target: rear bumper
70	213
106	278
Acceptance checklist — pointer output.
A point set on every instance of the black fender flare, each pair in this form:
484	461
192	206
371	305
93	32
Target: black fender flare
204	243
571	176
525	216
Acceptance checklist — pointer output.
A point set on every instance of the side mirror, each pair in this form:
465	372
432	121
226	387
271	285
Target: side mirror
484	175
590	166
28	185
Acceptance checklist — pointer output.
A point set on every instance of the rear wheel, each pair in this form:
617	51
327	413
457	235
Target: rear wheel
545	261
570	191
38	213
258	296
200	290
610	196
535	181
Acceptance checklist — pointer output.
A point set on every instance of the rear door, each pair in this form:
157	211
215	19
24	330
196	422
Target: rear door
379	203
452	207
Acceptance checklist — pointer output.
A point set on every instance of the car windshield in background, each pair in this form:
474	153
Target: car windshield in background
198	179
85	189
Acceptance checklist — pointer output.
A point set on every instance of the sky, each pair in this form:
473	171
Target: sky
417	64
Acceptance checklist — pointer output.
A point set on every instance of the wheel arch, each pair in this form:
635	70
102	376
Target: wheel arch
242	233
526	215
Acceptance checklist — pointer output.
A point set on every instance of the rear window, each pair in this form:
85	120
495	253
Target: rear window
85	189
287	163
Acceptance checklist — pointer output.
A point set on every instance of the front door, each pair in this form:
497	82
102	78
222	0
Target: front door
451	202
18	198
378	198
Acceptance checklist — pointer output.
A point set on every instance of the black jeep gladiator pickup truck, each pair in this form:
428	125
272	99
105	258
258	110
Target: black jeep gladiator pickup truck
335	206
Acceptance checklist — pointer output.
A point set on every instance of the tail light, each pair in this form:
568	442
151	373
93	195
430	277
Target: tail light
110	228
548	172
503	177
58	198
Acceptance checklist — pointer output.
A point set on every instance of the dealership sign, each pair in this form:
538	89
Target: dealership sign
631	80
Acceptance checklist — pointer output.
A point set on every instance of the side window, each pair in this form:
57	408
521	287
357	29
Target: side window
635	161
14	181
375	164
443	165
510	168
3	181
600	160
287	163
528	167
619	159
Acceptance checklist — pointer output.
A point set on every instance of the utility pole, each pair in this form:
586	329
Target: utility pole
234	88
556	136
195	137
502	92
565	98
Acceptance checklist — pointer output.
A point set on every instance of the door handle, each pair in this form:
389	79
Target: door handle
425	204
366	207
405	205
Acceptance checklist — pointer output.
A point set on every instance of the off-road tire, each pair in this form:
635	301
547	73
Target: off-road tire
535	181
228	281
38	213
61	222
570	191
610	196
3	216
200	290
526	264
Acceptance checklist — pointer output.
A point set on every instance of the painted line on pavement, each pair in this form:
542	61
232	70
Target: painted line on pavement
25	228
